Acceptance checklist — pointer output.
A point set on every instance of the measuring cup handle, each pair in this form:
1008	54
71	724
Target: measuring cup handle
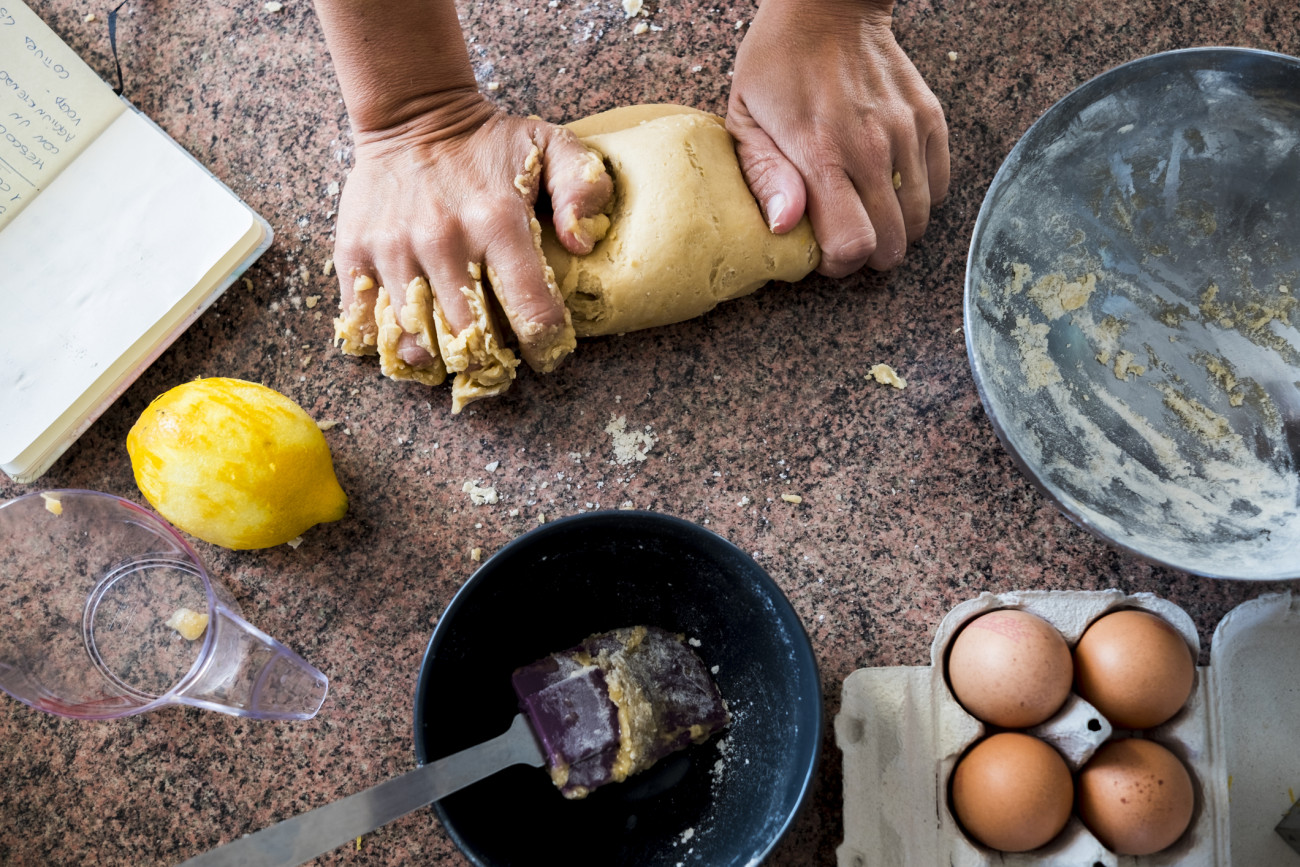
244	672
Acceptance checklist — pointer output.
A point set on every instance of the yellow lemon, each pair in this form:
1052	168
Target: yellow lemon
234	463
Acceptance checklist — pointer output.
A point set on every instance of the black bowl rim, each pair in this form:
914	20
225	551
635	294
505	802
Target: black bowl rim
806	656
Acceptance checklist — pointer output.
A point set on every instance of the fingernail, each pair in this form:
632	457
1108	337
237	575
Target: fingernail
775	206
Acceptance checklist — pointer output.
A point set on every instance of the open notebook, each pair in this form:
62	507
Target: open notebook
113	240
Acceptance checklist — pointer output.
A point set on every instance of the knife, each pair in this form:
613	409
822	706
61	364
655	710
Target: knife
311	834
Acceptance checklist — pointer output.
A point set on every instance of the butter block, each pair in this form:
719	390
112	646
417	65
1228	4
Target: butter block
617	703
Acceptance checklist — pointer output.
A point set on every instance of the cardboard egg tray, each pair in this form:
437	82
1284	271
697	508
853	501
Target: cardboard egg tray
901	732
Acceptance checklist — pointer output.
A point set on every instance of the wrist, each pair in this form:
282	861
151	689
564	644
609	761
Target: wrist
881	7
835	15
397	59
426	119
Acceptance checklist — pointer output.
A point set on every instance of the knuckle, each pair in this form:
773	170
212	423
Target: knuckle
432	236
916	226
887	258
386	245
855	248
843	257
489	217
349	258
916	231
763	173
930	113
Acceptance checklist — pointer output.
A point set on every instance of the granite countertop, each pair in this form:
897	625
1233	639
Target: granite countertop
910	504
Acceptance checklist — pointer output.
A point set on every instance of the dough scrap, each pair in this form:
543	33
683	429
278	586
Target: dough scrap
886	375
355	331
483	365
390	332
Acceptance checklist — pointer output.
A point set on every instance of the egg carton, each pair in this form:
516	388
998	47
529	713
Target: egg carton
901	732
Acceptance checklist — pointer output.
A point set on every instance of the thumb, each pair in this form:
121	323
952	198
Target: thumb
772	178
580	191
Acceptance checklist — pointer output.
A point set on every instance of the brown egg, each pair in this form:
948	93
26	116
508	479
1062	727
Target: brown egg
1010	668
1135	796
1135	668
1012	792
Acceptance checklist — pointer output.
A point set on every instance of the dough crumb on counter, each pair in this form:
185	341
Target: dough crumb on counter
631	445
480	495
886	375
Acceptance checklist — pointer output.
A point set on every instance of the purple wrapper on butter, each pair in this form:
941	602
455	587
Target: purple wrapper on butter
617	703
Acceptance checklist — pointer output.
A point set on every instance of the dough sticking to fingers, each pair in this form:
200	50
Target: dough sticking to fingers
587	230
417	318
390	333
483	365
355	331
545	345
526	181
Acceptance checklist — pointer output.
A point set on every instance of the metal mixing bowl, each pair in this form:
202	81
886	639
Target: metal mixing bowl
1131	309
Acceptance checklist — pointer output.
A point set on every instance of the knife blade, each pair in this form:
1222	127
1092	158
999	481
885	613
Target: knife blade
311	834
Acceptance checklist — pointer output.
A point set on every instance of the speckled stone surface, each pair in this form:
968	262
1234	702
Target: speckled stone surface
910	503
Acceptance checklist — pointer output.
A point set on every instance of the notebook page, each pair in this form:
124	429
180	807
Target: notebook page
99	269
52	105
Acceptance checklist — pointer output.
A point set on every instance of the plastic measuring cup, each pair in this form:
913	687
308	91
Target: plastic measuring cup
90	585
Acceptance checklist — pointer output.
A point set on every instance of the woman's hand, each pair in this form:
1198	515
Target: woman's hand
454	188
830	116
444	183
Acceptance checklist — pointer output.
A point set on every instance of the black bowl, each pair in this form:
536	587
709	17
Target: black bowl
727	801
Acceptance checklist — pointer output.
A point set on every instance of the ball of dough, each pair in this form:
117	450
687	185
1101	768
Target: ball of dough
685	231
